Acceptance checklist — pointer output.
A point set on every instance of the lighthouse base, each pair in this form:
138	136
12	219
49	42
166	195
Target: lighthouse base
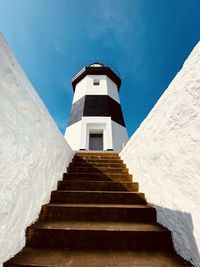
96	133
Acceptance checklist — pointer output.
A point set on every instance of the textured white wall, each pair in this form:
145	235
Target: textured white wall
86	87
164	156
33	154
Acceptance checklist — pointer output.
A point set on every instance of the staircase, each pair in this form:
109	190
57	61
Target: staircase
98	218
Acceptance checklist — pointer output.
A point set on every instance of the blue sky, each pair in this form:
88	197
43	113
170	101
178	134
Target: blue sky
145	41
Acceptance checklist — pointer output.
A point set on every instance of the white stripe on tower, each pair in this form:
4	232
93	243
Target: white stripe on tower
86	87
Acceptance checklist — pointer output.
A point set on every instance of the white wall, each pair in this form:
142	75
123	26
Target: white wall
119	136
86	87
33	154
164	156
80	90
112	90
73	135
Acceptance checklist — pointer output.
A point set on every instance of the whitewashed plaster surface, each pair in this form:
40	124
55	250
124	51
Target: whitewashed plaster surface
164	156
33	154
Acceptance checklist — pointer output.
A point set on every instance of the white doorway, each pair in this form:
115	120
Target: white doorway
103	138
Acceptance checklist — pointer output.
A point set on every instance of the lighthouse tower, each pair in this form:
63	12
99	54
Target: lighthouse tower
96	121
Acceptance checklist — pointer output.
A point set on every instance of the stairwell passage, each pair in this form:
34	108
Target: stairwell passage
97	217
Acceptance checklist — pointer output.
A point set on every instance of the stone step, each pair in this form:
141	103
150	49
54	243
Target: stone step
101	231
104	170
97	218
97	185
97	154
97	177
34	257
91	161
96	157
98	212
97	164
97	197
98	235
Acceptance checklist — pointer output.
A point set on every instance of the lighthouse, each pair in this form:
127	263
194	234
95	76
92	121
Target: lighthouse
96	121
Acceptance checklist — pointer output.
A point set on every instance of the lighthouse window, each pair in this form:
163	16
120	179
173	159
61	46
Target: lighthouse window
96	82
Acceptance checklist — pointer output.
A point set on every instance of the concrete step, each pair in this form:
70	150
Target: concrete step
97	164
98	212
97	197
97	177
98	235
97	185
34	257
91	160
96	169
101	231
95	156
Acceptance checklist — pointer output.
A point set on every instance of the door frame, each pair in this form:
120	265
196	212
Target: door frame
96	129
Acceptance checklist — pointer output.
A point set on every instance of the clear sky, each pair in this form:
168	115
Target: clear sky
145	41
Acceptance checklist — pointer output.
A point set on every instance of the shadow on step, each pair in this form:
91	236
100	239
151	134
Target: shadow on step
113	170
95	208
139	247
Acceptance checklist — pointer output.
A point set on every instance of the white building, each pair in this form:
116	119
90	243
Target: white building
96	121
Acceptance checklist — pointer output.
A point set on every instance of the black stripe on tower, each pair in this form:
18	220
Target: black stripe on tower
96	106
